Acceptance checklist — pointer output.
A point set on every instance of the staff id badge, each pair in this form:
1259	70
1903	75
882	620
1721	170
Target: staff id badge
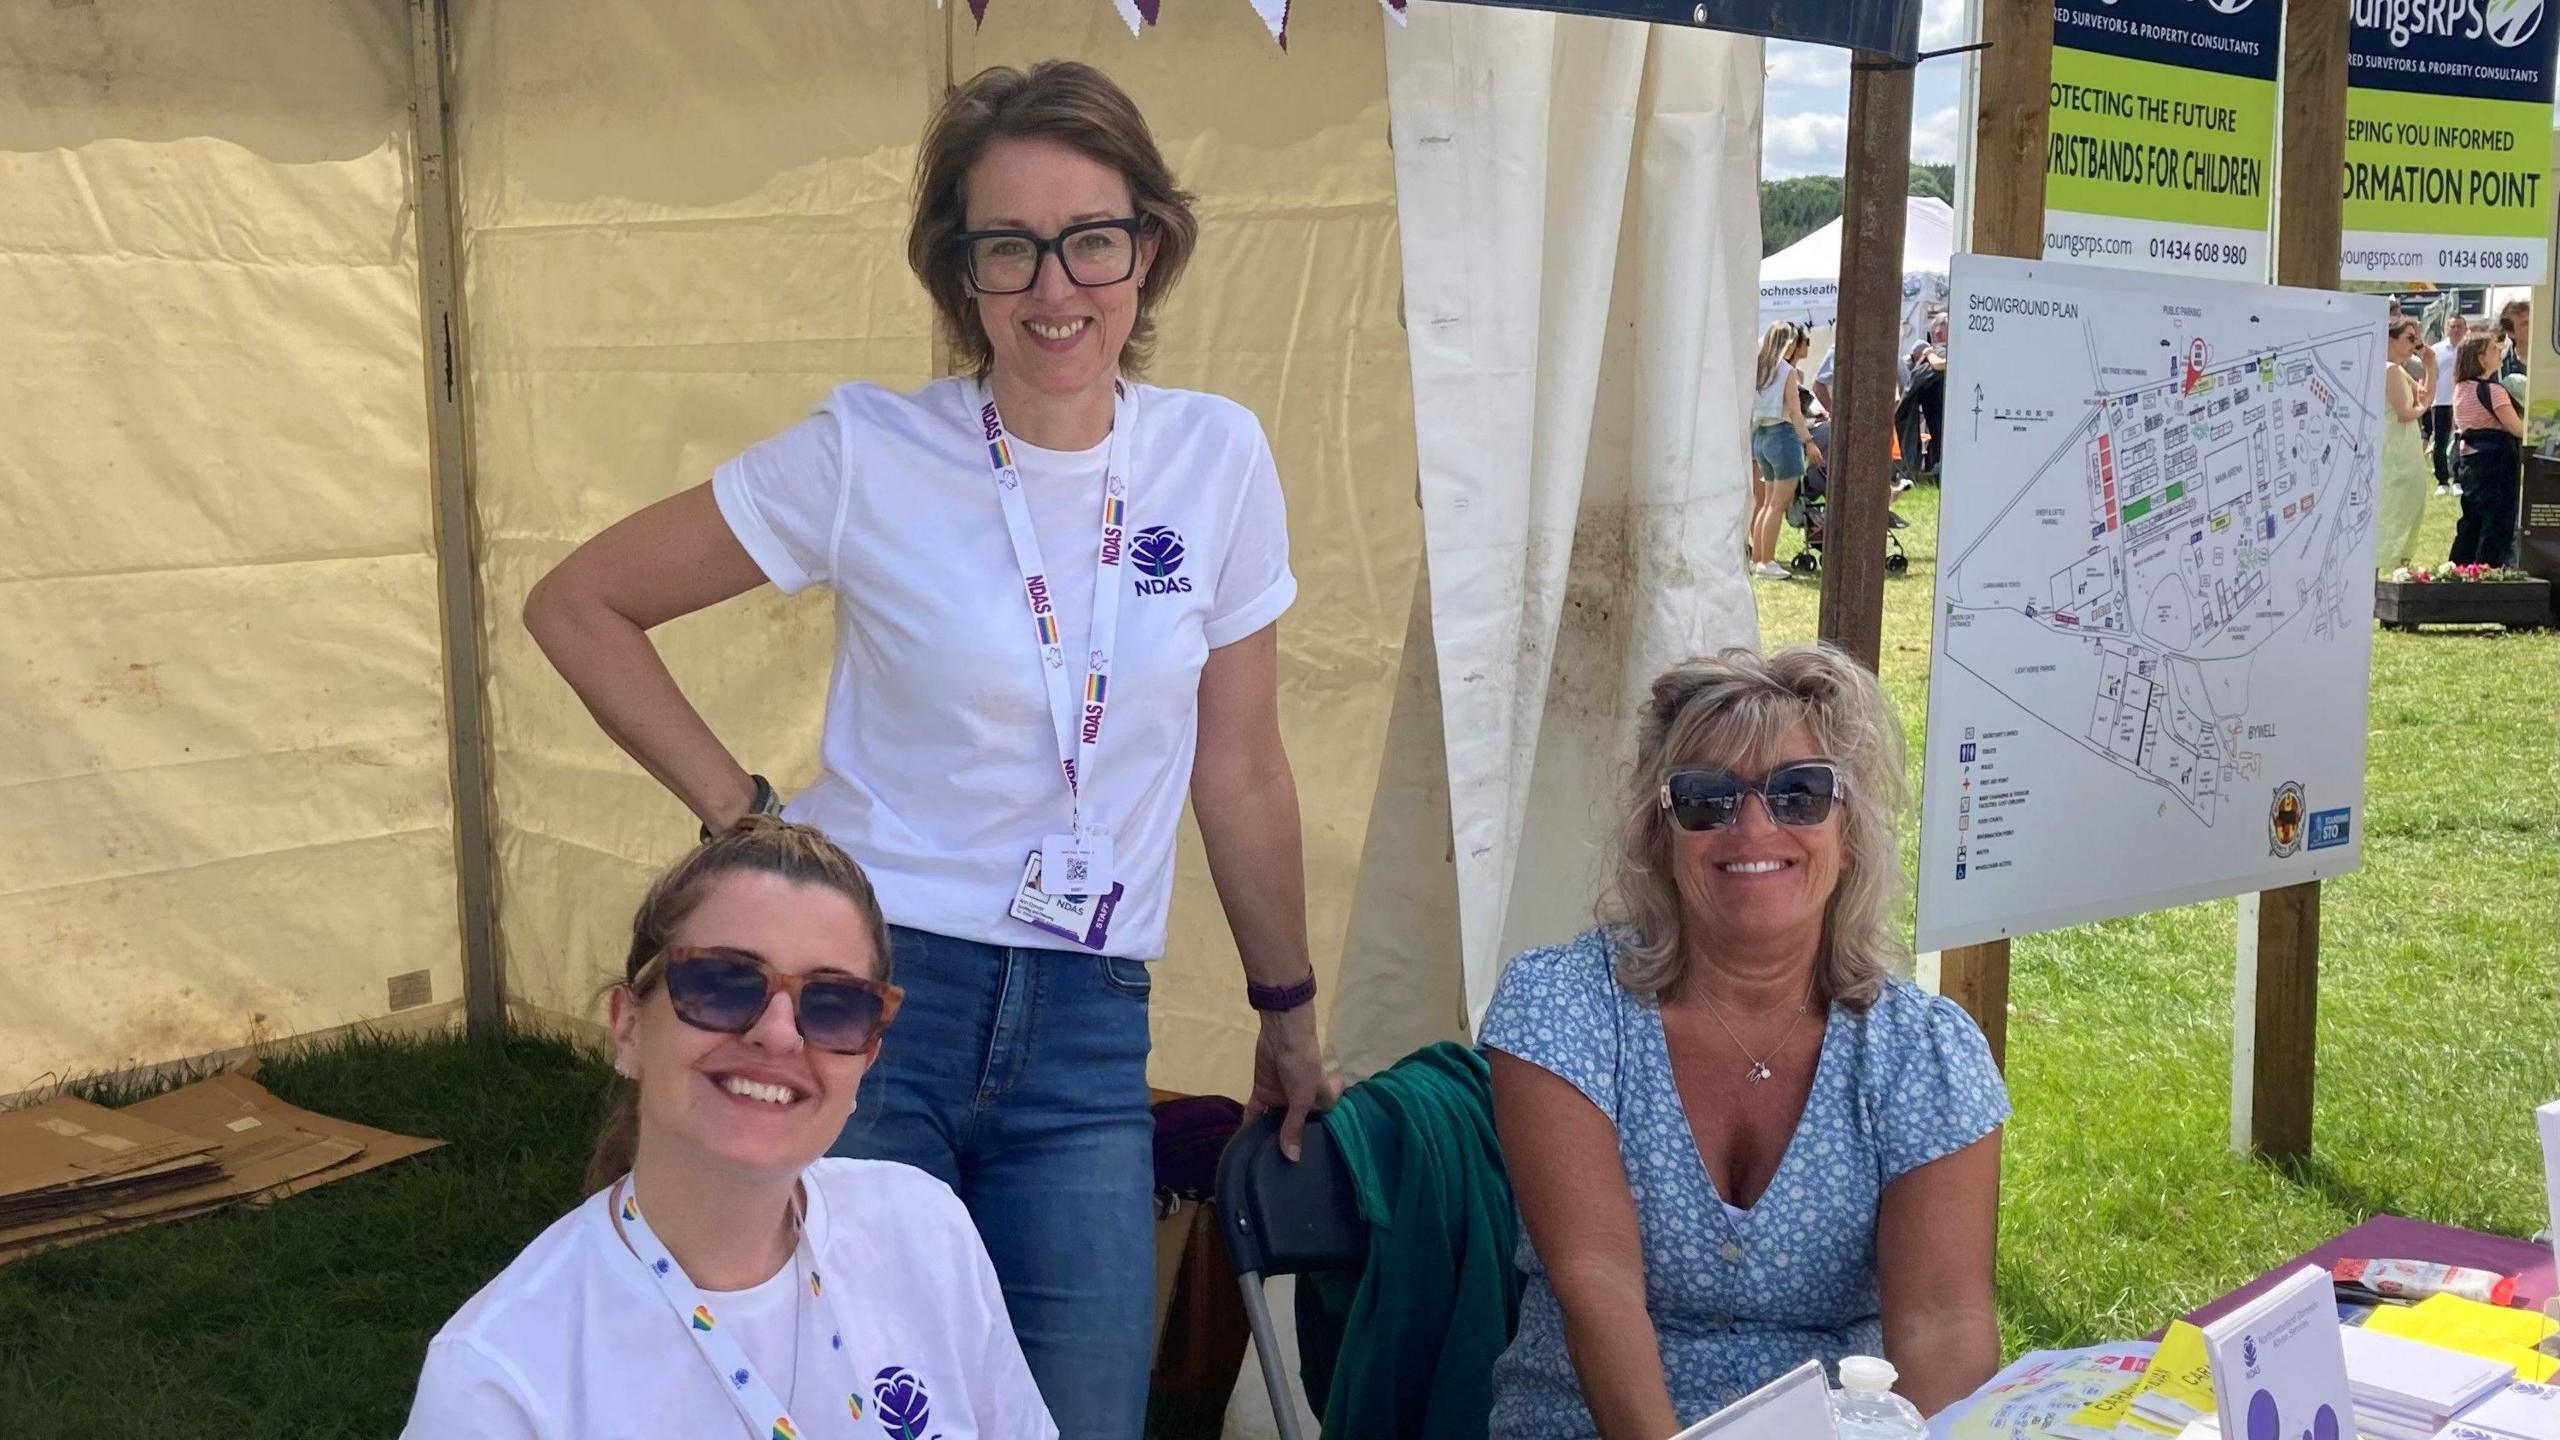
1075	864
1079	919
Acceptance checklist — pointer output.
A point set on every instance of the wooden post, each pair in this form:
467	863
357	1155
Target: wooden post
2276	980
2010	133
2008	219
1874	198
458	586
2275	1002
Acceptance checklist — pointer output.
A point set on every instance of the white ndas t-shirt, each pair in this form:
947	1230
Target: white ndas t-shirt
574	1340
939	764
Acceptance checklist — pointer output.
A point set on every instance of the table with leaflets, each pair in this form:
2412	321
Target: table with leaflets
2445	1368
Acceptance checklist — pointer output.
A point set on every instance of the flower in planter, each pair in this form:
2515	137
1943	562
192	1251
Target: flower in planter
2450	574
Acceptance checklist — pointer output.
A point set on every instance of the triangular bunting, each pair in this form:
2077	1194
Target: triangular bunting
1275	18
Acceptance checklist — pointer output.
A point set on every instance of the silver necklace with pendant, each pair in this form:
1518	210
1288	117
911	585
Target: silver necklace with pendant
1759	1070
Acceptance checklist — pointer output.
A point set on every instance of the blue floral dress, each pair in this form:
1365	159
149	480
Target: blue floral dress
1737	1298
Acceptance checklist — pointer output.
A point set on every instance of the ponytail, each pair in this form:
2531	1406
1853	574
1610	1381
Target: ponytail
618	1143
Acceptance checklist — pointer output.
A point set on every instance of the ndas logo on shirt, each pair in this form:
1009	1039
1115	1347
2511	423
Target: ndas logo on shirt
1157	553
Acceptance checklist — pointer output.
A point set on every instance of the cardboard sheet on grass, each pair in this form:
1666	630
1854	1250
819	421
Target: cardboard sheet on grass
227	814
72	1171
679	236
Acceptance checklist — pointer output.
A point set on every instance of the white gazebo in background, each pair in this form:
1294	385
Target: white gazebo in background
1802	282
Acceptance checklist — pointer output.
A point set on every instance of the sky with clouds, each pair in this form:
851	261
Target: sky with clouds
1806	126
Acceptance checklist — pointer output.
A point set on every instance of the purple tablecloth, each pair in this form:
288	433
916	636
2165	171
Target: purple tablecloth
2388	1237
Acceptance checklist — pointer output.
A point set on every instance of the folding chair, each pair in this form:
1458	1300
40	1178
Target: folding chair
1284	1218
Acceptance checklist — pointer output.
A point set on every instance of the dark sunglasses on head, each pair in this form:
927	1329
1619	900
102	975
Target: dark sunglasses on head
1800	794
717	988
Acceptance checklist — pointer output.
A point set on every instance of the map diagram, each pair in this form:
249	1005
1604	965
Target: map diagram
2154	594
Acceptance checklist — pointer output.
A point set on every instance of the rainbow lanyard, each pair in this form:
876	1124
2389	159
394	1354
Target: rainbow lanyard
758	1407
1079	727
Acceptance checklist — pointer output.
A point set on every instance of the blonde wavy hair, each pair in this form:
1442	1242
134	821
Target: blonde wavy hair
1777	343
1717	709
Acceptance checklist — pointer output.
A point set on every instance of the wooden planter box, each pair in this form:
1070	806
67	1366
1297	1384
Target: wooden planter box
2518	605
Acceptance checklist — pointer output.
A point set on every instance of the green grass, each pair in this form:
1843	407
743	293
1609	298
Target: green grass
308	1318
2123	1204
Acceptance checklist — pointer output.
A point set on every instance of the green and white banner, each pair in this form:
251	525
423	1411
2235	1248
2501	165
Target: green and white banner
2163	117
2449	141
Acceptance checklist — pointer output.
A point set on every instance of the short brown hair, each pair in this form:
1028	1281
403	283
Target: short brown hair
1060	100
756	845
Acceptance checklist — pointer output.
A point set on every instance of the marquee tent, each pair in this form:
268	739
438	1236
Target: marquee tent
1802	282
1506	343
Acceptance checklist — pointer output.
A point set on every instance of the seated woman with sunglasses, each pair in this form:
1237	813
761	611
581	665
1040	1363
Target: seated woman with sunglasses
723	1278
1737	1142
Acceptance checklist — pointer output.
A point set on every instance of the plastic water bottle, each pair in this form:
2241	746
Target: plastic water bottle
1865	1407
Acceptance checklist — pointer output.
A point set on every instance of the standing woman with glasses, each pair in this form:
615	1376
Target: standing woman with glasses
724	1278
1737	1140
1055	594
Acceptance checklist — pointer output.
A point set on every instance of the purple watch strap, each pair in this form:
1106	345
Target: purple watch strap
1273	999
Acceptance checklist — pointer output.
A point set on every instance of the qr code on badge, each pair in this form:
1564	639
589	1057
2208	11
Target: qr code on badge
1076	871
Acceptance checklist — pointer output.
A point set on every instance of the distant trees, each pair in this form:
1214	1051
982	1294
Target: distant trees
1792	209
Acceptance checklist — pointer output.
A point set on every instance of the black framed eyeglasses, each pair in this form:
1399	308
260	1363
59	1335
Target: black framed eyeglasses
1799	795
1095	253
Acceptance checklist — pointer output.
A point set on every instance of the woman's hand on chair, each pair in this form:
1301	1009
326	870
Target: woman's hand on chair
1289	1074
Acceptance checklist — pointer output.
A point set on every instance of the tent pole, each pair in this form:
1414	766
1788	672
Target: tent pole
457	575
1874	208
2010	133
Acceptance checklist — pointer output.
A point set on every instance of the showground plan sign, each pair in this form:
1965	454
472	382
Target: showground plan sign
2154	614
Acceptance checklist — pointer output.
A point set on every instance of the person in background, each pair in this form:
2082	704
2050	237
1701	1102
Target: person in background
1056	599
2441	355
2404	456
1924	399
2492	431
723	1277
1828	409
1736	1140
2515	321
1781	442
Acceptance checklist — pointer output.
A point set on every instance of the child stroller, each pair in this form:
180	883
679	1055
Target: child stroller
1811	505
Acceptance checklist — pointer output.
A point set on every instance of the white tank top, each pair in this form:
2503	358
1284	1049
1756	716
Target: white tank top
1769	407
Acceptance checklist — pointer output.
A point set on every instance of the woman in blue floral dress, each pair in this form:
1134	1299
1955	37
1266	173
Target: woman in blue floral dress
1736	1140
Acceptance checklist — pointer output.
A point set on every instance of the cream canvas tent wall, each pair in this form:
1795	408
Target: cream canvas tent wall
225	727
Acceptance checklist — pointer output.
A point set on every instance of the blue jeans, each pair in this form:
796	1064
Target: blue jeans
1019	1077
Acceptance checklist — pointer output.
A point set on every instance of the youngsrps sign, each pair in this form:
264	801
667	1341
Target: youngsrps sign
2163	120
2448	140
